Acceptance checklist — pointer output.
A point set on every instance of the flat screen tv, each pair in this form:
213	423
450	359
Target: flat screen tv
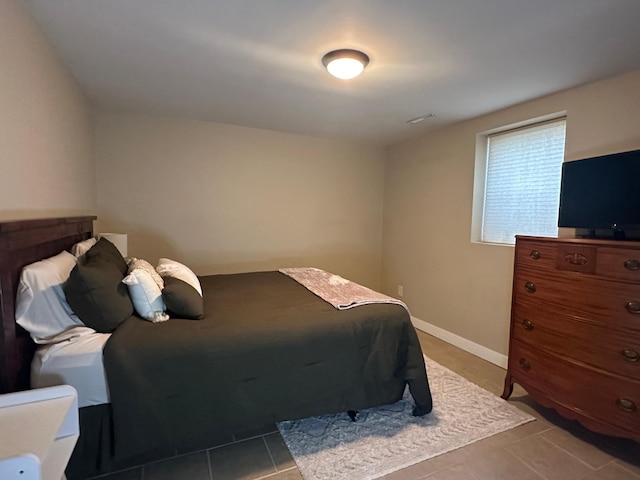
602	194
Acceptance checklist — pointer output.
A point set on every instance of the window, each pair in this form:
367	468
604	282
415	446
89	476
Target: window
521	188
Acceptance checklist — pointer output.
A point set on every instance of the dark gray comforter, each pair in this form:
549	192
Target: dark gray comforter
267	350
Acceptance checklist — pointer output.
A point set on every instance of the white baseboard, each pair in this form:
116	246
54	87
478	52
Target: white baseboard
460	342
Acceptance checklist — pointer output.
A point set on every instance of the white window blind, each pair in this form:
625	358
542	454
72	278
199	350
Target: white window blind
522	186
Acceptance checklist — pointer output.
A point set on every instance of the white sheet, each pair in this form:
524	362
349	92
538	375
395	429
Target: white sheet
76	362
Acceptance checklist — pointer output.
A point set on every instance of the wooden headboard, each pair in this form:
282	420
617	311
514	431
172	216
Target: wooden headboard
21	243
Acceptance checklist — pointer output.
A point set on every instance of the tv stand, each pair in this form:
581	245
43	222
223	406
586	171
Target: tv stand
618	232
575	330
615	232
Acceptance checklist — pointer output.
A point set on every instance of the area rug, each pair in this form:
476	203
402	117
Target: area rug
386	439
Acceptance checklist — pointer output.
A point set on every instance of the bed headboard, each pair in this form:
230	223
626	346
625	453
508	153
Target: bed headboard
23	242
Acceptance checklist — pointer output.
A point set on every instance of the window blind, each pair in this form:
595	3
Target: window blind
522	185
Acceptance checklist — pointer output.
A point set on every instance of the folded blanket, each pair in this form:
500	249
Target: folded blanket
339	292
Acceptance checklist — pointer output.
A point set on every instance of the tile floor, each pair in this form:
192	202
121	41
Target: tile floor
550	448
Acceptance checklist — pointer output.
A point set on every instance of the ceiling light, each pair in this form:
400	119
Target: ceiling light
345	63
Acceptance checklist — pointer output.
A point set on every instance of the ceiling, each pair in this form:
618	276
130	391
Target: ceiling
257	63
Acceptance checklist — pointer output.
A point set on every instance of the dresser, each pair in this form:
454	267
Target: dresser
575	330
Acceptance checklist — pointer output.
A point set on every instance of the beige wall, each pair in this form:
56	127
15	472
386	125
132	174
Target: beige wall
47	166
223	198
449	282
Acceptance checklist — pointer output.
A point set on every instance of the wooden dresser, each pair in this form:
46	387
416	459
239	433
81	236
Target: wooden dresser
575	330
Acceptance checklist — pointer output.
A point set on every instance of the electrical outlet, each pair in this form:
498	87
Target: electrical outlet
400	290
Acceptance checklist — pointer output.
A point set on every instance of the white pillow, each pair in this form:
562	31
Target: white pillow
171	268
146	295
83	247
41	306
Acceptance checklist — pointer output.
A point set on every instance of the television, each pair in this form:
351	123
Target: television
602	195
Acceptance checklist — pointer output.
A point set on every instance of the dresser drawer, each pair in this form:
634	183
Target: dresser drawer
590	392
549	255
607	348
576	258
536	254
619	263
608	303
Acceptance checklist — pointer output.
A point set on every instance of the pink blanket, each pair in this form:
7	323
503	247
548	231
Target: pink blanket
338	291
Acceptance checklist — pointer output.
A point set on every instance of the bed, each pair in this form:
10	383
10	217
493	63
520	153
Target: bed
266	350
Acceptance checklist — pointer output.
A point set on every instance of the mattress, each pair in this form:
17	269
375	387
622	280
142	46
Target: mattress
76	362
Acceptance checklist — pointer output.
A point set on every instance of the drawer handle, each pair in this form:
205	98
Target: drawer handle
535	254
632	265
626	405
525	364
576	259
630	355
528	324
531	288
633	307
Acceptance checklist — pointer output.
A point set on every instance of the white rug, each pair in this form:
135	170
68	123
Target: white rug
386	439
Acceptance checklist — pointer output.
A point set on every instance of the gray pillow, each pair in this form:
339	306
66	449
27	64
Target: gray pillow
97	295
106	251
181	299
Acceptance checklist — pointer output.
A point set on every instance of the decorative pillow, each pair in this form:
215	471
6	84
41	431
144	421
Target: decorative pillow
181	299
80	248
97	295
106	251
41	307
141	264
145	295
171	268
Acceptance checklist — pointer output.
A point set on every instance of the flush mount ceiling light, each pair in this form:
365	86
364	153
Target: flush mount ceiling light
345	63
